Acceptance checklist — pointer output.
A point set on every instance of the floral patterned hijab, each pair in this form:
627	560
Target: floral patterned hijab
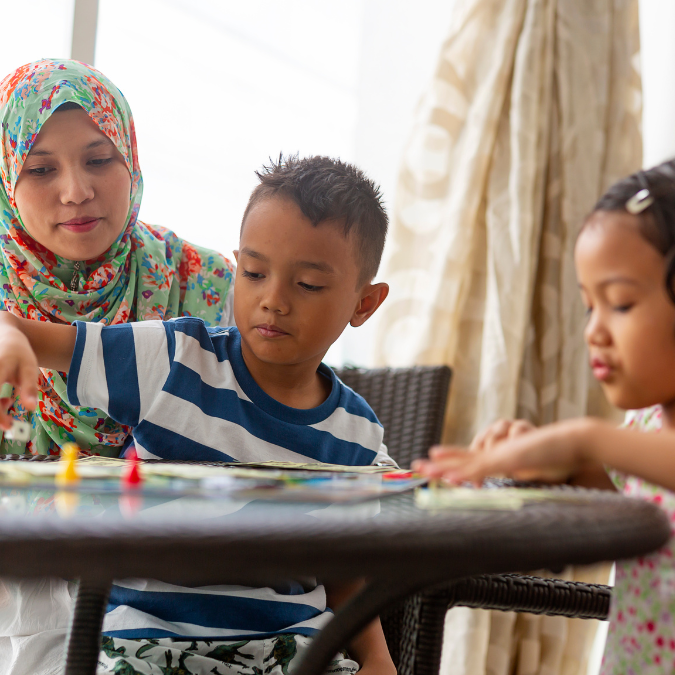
148	272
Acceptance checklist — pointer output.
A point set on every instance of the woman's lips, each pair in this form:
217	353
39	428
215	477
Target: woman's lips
268	331
85	224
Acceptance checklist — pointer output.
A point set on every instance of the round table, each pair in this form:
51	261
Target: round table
400	547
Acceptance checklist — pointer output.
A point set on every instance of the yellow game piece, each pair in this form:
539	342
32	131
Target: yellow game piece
68	474
66	502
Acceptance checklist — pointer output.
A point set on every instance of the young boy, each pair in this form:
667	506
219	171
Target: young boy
310	244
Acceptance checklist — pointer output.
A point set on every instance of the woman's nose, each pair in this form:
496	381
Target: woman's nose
75	187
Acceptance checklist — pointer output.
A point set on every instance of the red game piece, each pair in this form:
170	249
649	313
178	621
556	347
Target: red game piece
398	475
131	478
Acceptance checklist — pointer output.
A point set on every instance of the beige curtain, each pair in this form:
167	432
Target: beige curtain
533	111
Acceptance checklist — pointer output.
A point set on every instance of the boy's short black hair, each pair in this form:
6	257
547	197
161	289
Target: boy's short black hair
657	220
327	189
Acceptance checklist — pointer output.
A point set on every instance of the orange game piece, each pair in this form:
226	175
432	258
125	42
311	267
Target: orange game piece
131	478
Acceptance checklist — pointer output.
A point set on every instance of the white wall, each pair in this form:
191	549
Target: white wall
218	87
657	23
34	29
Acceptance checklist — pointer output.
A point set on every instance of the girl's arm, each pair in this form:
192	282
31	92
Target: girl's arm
560	452
24	345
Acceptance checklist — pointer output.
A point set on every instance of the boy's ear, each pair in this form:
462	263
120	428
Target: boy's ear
236	254
372	296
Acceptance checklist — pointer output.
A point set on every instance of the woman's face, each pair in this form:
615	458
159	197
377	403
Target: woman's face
74	187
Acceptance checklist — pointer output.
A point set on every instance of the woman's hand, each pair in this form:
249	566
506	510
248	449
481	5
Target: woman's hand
554	453
499	431
18	367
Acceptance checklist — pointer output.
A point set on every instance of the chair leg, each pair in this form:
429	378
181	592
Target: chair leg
84	633
424	614
422	634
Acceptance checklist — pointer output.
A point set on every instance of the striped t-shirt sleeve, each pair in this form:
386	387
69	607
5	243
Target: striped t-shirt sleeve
120	369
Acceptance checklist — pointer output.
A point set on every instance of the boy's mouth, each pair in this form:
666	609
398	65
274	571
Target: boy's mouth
267	330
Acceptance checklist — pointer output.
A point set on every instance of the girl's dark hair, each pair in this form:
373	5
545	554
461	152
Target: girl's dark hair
656	221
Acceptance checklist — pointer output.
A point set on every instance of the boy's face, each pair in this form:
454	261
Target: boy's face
296	285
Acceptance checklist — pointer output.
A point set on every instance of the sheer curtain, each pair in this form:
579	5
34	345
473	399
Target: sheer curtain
534	109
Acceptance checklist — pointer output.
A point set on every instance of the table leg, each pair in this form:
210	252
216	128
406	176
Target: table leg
84	633
353	617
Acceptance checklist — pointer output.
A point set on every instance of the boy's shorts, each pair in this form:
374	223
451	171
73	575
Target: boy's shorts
279	655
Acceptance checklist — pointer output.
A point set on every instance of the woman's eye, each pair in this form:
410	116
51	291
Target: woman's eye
100	162
623	308
39	171
252	275
310	287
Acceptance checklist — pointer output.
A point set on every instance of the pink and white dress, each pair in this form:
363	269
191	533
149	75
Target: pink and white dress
641	638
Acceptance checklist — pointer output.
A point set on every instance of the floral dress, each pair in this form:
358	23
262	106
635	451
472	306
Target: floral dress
641	637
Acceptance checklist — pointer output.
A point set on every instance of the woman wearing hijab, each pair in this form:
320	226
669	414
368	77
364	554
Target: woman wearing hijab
72	247
71	244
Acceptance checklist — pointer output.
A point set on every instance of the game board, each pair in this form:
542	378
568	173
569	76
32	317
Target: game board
276	481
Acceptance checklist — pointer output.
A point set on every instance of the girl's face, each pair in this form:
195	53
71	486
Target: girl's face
631	320
74	187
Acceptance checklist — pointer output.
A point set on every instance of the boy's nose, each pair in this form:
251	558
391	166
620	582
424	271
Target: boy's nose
274	300
75	187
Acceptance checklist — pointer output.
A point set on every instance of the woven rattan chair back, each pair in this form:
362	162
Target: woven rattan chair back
409	402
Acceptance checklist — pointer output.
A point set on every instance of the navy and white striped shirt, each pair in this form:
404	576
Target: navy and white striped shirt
187	393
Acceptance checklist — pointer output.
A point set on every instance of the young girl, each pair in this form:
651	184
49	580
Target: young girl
625	261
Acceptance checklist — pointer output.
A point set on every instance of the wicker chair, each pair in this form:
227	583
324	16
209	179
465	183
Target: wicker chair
410	403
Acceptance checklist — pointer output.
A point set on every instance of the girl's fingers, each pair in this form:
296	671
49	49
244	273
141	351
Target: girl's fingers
520	427
438	452
496	433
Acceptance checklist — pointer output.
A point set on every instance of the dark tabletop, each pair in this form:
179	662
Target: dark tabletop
204	541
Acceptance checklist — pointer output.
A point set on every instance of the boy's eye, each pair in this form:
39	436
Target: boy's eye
310	287
623	308
252	275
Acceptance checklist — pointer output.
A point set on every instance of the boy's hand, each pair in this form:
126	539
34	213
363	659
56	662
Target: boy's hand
18	367
554	453
499	431
384	666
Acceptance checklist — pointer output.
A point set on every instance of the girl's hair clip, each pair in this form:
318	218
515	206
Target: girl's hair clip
639	202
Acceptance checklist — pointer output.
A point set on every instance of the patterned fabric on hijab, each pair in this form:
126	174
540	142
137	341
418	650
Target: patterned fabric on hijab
148	272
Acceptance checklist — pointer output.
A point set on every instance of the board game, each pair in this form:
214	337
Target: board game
274	481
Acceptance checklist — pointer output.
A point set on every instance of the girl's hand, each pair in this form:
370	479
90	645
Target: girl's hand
499	431
554	453
18	367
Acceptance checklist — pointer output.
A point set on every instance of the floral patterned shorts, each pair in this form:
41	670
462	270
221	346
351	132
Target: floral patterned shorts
276	656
